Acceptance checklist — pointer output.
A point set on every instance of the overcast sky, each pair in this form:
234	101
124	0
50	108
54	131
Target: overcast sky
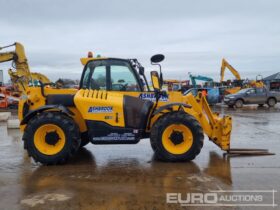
194	35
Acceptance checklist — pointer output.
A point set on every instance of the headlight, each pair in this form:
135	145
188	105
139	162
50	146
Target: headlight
231	97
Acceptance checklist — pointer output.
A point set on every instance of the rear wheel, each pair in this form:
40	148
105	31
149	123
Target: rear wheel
177	136
51	138
271	102
238	103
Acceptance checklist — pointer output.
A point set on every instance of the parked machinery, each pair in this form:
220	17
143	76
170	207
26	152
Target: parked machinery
238	83
177	85
20	74
199	77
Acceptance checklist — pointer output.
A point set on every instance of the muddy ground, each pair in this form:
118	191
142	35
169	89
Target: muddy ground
128	176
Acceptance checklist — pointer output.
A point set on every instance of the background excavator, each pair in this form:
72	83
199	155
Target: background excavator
20	75
238	83
202	78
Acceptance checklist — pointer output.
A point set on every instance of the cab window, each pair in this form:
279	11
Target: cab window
98	78
114	75
86	76
123	79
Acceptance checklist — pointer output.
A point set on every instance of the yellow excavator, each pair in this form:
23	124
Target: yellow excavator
225	64
20	75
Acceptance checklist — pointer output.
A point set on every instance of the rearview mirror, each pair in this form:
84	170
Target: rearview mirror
157	58
155	80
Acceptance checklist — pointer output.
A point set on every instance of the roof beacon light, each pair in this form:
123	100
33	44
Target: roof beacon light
90	54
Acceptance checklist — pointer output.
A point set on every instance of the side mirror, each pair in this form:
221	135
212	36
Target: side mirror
155	80
141	70
157	58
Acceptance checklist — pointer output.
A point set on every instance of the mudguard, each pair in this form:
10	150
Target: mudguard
31	114
170	105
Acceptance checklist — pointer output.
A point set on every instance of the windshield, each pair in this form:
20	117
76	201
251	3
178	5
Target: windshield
113	75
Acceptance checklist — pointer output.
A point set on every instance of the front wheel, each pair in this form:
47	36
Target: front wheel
51	138
176	136
239	103
271	102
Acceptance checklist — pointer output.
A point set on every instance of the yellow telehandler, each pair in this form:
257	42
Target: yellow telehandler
114	105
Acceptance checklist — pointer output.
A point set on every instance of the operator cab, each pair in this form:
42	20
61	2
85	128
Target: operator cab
112	74
109	99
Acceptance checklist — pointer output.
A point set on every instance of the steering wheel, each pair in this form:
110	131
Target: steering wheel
119	87
123	87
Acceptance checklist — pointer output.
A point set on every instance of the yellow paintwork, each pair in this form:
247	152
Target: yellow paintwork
179	148
232	90
40	143
85	99
40	77
225	65
155	80
35	100
84	61
254	83
218	129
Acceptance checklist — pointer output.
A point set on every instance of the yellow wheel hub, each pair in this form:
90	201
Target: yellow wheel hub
49	139
177	139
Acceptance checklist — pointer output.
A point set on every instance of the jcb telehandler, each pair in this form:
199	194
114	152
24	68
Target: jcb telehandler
115	105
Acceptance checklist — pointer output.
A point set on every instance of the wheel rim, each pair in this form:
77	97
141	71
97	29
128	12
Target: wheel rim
271	102
239	104
177	139
49	139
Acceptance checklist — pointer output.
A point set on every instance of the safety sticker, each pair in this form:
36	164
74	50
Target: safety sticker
152	97
116	137
100	109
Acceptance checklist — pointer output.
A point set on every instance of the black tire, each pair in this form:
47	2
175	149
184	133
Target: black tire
84	139
271	102
68	126
261	105
176	118
230	106
238	103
